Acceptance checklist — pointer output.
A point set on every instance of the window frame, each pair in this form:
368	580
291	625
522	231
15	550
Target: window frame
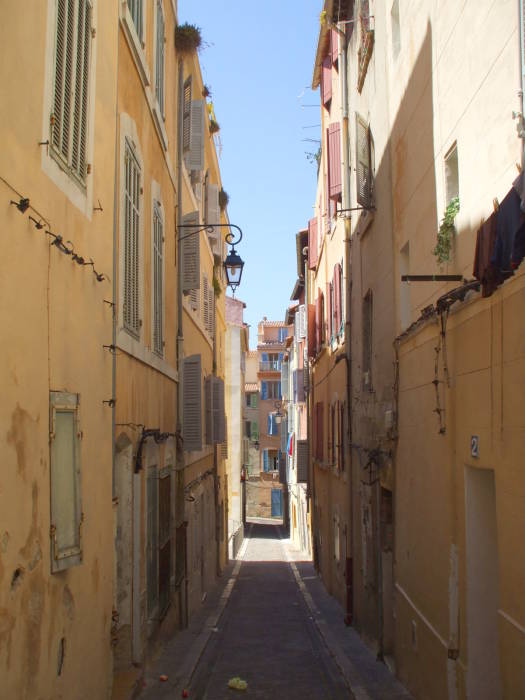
133	328
158	268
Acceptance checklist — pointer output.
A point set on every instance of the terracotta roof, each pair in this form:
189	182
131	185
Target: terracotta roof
274	324
251	387
251	353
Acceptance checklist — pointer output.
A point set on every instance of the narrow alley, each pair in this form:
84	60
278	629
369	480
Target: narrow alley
271	623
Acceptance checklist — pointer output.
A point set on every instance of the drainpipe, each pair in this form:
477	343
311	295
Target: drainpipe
310	489
345	141
215	454
521	124
180	502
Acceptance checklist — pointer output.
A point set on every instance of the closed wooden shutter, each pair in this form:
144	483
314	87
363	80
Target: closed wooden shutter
300	385
159	58
363	173
205	303
302	461
66	508
219	418
319	438
326	81
211	310
302	321
264	390
312	243
329	325
213	216
338	315
208	410
132	196
190	253
71	85
312	330
196	152
266	465
186	117
334	45
192	403
334	160
158	281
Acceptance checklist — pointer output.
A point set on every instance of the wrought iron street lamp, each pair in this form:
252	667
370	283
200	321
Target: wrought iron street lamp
278	415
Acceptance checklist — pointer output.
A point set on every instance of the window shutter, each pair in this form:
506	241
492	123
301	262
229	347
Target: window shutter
312	243
265	461
363	162
300	385
186	118
269	424
285	379
219	419
213	217
326	81
334	45
159	59
318	323
302	321
158	281
66	509
320	431
191	253
80	115
334	160
132	184
205	303
337	297
211	310
329	328
312	330
302	461
194	299
254	430
135	8
279	394
208	403
191	393
264	390
196	153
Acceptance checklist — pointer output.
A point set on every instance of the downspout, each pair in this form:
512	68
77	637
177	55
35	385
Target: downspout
215	455
114	299
345	143
310	491
179	454
521	117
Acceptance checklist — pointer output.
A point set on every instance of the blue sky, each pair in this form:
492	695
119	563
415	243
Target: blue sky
259	66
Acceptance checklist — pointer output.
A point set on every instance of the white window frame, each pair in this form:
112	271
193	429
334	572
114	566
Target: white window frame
125	341
137	44
80	194
158	294
159	107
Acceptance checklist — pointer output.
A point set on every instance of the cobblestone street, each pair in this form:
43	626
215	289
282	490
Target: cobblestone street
274	626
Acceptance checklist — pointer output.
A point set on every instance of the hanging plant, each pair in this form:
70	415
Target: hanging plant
214	126
446	232
206	92
216	286
224	198
187	37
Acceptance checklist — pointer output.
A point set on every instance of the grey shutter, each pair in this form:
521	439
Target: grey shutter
190	253
302	461
66	509
80	114
213	217
63	77
219	418
206	303
208	409
284	380
186	120
192	403
131	318
211	309
196	154
302	321
363	162
158	282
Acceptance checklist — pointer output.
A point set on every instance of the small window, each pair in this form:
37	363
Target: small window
136	10
158	280
451	174
69	119
365	165
396	29
66	508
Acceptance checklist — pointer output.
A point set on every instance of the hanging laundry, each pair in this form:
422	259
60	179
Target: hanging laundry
484	270
510	229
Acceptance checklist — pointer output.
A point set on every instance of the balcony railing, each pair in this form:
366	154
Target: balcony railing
270	366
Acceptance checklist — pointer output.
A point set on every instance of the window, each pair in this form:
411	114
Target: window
71	87
136	12
270	390
319	322
208	305
132	185
364	169
451	174
312	243
186	116
326	81
318	420
66	509
159	58
254	430
251	400
191	253
282	334
367	340
337	299
396	29
193	122
270	460
158	280
214	406
273	428
340	442
247	429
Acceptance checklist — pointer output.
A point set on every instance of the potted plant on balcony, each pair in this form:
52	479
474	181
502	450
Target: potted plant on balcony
187	37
